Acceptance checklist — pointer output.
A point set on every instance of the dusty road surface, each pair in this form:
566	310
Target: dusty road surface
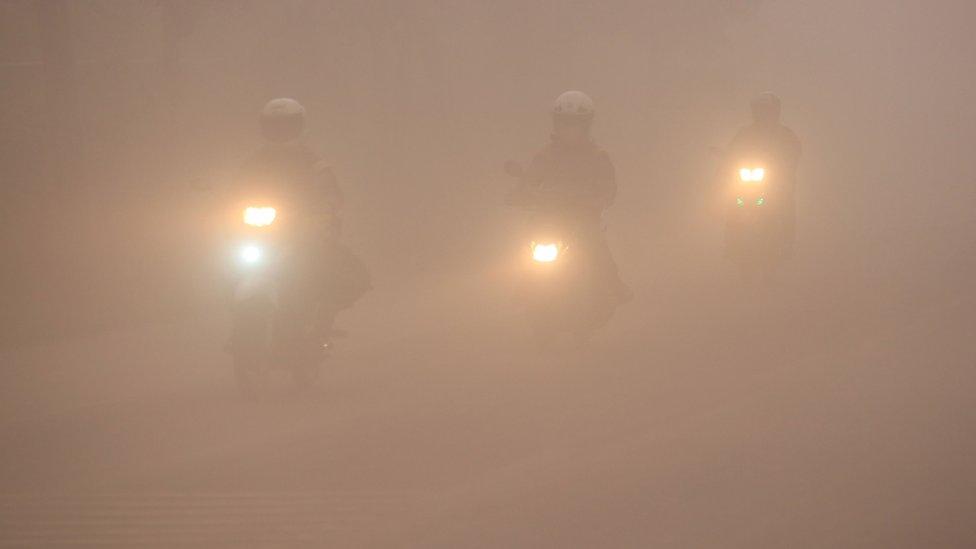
815	413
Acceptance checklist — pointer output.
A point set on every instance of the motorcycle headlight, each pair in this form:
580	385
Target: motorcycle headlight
251	254
752	175
545	252
259	216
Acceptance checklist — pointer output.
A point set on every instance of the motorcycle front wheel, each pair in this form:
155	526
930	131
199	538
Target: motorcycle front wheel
251	349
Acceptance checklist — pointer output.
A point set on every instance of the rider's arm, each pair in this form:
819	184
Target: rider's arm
606	181
327	187
794	150
523	193
735	148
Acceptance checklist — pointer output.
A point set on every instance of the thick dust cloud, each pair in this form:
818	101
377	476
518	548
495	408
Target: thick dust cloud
830	408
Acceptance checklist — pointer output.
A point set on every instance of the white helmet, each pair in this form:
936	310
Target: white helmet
282	119
573	104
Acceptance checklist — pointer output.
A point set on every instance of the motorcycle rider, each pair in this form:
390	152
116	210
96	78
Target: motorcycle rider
581	173
286	168
768	138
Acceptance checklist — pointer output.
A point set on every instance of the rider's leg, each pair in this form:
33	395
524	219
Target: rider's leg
605	262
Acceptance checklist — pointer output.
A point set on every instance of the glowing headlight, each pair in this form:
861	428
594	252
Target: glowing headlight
251	254
259	216
752	175
545	253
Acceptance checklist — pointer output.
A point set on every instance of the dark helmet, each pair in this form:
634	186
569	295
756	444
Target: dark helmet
282	120
766	108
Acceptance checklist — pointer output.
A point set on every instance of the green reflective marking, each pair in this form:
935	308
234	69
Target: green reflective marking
760	201
739	201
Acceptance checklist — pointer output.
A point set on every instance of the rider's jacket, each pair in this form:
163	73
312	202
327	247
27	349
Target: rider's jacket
290	174
582	175
293	177
774	144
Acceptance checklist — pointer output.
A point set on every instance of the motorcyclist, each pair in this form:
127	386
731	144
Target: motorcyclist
285	168
577	170
766	137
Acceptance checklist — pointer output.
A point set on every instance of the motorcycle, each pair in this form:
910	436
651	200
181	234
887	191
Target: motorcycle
274	327
560	289
753	232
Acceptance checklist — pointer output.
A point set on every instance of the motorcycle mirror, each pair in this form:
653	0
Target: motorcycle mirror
513	168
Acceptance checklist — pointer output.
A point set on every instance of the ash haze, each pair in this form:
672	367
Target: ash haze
830	405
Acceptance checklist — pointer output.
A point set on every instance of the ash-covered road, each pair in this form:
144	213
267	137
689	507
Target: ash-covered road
811	414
